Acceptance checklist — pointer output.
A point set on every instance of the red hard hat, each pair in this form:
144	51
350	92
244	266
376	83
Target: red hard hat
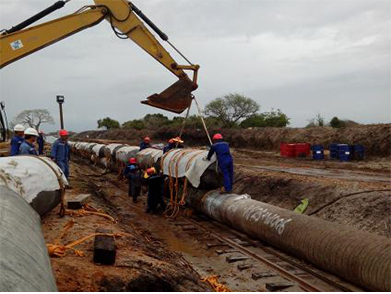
147	139
151	171
63	133
217	137
132	160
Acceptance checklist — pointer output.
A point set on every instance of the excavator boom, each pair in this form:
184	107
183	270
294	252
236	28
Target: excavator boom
122	16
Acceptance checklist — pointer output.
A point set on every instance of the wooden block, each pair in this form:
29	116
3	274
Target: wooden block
216	245
277	286
242	267
231	259
189	228
219	252
79	201
257	276
104	248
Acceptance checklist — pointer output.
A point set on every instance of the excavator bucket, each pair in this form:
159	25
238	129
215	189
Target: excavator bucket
175	98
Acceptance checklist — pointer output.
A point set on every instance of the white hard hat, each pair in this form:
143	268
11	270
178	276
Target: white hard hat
31	132
19	128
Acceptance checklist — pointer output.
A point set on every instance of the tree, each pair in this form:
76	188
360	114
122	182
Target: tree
108	123
335	122
137	124
33	118
317	121
155	120
274	118
231	108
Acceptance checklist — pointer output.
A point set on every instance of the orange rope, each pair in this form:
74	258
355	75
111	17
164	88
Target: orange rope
56	250
89	210
214	283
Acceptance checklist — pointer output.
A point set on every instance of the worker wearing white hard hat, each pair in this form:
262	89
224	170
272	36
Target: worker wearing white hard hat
27	147
17	140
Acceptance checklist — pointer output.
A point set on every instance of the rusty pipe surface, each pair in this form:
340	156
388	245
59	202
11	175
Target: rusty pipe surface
359	257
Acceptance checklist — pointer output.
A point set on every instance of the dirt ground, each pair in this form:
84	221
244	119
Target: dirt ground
155	254
142	263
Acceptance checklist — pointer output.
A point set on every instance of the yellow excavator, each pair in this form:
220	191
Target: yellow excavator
127	22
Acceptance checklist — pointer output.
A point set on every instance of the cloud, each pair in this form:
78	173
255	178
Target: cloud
301	56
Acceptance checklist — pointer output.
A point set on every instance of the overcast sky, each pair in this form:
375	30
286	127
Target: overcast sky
301	56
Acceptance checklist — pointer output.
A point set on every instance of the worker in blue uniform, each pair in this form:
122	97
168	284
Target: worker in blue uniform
17	140
133	173
224	159
61	152
27	147
146	143
174	143
40	142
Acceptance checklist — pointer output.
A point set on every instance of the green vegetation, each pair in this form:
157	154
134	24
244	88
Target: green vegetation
274	118
230	111
108	123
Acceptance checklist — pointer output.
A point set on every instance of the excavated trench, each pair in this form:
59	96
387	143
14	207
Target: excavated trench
361	205
358	199
275	191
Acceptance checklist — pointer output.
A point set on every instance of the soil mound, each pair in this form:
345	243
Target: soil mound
376	138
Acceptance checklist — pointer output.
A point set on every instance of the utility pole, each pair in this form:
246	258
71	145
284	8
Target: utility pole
60	101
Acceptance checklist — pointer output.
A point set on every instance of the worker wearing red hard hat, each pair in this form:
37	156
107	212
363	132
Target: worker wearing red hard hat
133	173
146	143
224	159
61	152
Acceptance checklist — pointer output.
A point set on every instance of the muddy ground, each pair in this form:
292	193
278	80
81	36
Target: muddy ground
143	262
376	138
156	252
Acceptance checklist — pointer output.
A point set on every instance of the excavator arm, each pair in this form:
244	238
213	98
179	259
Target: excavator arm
122	16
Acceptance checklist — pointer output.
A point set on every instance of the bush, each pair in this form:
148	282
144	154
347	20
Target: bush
108	123
274	118
137	124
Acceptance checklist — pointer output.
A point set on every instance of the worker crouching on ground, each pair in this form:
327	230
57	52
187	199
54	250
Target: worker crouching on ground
154	182
174	143
17	140
27	147
61	152
40	142
146	143
133	173
224	159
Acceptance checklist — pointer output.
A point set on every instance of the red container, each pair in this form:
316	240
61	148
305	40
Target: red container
302	149
287	150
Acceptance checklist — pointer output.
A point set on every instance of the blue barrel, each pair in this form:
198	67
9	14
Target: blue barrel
334	153
317	152
345	152
358	152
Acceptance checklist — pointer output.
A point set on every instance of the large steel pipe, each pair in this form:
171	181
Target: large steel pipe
359	257
24	261
37	179
190	164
